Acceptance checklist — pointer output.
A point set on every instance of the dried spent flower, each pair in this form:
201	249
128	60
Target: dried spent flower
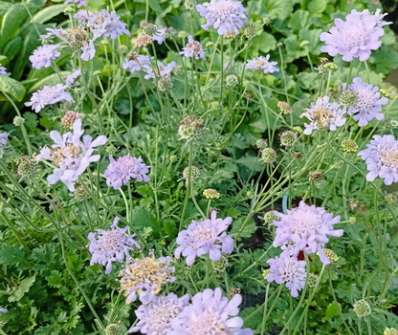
69	119
268	155
190	174
189	127
349	146
315	176
25	166
288	138
211	194
362	308
284	107
145	277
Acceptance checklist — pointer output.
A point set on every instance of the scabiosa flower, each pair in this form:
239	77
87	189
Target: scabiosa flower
108	246
154	318
48	95
3	139
3	71
363	101
87	50
205	237
79	3
44	55
72	77
104	24
226	16
120	171
306	228
210	313
145	277
71	154
137	63
381	158
288	270
162	71
356	36
325	114
193	49
262	64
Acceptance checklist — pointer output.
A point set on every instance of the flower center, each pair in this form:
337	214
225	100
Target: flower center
322	116
390	158
207	323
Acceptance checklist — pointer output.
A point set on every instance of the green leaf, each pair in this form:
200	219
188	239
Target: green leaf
12	22
48	13
251	162
23	287
299	20
264	42
317	6
52	79
13	47
11	255
12	87
333	310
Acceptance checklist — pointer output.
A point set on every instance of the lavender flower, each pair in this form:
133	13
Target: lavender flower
363	101
3	71
307	229
381	157
210	313
108	246
159	34
262	64
288	270
120	171
79	3
205	237
155	317
226	16
3	139
44	55
145	277
356	36
48	95
71	154
162	71
324	114
87	51
102	24
193	49
137	63
72	77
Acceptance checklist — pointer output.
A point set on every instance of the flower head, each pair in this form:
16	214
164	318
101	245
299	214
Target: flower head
262	64
306	228
324	114
163	71
356	36
362	308
108	246
71	78
193	49
226	16
120	171
44	55
3	71
381	157
71	154
288	270
137	63
155	317
363	101
205	237
145	277
210	313
3	139
79	3
47	96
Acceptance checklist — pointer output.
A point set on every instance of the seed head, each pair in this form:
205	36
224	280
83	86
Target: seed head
329	253
189	127
194	173
18	121
211	193
349	146
390	331
312	279
69	118
362	308
269	217
284	107
288	138
268	155
231	81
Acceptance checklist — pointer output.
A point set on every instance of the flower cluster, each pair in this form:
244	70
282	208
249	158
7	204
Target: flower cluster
356	36
120	171
324	114
363	101
381	157
205	237
108	246
145	277
209	312
303	230
71	154
262	64
227	17
193	49
44	55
